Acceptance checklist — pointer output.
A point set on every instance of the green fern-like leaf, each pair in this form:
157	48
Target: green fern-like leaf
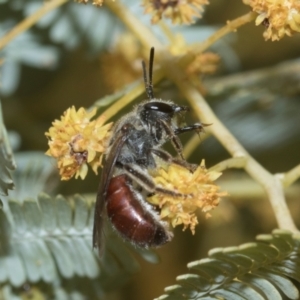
49	241
35	173
262	270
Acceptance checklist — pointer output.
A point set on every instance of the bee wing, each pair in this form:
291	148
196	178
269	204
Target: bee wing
106	175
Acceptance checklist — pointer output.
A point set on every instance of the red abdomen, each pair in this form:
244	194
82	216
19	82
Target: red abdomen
132	219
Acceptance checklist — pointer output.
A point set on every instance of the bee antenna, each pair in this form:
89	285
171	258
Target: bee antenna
148	84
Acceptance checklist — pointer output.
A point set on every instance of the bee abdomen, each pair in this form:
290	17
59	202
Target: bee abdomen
130	218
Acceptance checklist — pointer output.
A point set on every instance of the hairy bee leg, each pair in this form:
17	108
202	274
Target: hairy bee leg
174	139
144	180
165	156
198	127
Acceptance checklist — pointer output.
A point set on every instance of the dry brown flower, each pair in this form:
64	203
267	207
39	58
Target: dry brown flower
198	189
280	17
179	11
76	141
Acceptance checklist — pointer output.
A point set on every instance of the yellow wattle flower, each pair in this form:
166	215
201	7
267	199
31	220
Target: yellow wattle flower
75	141
280	17
198	188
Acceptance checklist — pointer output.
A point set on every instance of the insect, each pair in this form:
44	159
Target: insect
134	149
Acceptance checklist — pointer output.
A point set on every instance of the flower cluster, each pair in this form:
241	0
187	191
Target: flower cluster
76	141
197	188
123	58
204	63
95	2
179	11
280	17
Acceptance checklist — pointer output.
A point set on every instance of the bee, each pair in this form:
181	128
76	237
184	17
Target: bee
134	150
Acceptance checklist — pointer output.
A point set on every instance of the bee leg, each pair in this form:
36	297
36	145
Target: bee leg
143	179
173	134
173	137
165	156
198	127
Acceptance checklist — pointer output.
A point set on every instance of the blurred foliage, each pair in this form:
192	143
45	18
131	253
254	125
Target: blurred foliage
41	47
7	162
61	62
65	29
251	271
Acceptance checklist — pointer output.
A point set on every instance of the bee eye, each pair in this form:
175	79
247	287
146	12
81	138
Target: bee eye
159	107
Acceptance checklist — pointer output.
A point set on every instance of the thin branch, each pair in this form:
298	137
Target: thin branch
231	26
31	20
245	188
264	78
141	31
200	47
271	184
290	177
167	32
235	162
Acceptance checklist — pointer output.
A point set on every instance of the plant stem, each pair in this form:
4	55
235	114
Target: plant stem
270	183
200	47
234	162
289	177
230	27
141	31
29	21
